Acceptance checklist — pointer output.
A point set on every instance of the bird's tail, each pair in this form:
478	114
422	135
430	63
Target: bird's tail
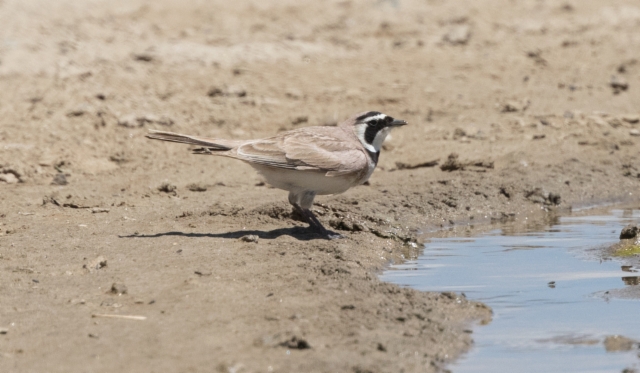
210	145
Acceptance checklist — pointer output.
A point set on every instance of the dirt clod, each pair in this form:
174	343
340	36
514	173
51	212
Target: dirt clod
118	288
9	178
96	264
406	166
135	121
514	106
541	196
453	163
618	84
296	343
60	179
196	187
167	188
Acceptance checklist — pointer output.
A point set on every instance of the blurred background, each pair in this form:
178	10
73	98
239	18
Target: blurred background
83	80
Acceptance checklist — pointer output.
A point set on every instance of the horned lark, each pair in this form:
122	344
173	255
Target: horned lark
307	161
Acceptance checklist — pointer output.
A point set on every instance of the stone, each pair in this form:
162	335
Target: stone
9	178
631	118
249	238
629	232
458	35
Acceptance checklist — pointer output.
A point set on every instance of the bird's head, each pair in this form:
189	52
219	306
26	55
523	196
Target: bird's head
372	128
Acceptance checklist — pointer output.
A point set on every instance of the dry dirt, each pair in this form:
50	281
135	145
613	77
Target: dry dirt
538	99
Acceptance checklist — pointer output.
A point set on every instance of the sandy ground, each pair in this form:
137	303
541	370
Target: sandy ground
538	99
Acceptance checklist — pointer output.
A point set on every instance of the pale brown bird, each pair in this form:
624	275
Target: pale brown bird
308	161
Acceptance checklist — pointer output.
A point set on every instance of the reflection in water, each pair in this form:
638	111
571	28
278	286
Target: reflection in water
628	269
631	280
534	226
552	308
572	339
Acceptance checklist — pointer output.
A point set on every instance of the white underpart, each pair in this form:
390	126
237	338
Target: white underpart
377	141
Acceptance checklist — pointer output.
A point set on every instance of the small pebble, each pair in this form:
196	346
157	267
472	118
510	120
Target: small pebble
634	132
458	35
249	238
143	57
631	118
96	210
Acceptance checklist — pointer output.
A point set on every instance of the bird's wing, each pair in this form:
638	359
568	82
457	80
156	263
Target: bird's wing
310	148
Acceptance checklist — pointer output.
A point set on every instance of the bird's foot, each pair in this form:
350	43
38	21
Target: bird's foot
315	224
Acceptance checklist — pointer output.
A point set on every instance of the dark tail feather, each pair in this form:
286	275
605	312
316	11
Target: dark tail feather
184	139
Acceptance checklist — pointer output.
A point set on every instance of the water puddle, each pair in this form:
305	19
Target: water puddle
551	295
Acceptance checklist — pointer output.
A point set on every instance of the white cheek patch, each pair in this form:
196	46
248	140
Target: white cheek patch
380	136
360	129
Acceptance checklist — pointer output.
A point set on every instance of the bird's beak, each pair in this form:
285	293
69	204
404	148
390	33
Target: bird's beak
397	123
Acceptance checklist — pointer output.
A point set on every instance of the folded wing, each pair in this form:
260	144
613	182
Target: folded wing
313	149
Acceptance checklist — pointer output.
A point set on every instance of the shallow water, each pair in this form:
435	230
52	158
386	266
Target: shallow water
549	294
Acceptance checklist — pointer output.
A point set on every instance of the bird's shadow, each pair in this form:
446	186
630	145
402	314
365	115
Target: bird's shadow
299	233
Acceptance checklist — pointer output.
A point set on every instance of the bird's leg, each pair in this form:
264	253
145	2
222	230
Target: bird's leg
310	219
316	225
307	214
